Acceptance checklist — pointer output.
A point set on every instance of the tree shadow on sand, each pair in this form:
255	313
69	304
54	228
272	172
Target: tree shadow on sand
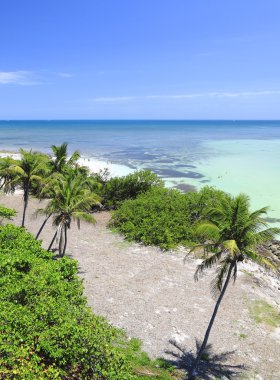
211	366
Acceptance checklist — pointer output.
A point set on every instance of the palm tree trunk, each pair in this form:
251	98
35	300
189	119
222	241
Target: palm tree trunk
43	225
205	340
53	239
60	243
65	240
2	184
25	200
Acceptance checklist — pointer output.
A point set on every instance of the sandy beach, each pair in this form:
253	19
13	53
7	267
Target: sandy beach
152	295
94	164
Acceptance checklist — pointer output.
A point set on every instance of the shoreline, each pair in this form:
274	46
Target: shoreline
93	163
117	170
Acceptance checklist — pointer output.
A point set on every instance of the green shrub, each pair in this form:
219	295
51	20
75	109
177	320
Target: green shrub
6	213
158	217
118	189
46	330
164	217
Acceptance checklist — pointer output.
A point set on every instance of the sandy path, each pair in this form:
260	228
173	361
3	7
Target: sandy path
153	296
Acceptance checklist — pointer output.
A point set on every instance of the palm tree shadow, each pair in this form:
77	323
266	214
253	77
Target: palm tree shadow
211	365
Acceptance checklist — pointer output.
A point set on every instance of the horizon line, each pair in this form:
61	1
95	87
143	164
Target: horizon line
138	119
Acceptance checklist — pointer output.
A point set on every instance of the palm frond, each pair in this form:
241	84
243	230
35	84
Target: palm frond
218	280
235	271
207	230
259	213
267	234
206	264
231	247
74	157
16	169
205	247
78	215
260	259
41	211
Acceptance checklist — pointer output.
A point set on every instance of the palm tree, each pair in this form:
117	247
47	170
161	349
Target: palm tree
61	161
82	172
46	192
71	199
6	177
232	234
25	172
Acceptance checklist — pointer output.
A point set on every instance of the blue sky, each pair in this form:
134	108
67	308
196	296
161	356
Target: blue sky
140	59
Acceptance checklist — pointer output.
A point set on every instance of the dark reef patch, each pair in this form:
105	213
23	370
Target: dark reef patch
185	166
272	220
167	173
185	188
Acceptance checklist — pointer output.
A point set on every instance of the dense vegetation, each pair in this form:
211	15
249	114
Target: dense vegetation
6	213
47	332
118	189
164	217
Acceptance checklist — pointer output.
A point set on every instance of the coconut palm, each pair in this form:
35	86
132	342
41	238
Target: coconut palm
25	172
71	199
88	182
61	161
232	234
6	177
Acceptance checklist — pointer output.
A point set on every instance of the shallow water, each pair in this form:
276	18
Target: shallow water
236	156
247	166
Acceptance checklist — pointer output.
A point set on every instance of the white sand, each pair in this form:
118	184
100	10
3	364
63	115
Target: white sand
94	164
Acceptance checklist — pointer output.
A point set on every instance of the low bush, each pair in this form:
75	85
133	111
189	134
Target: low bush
6	213
46	330
164	217
118	189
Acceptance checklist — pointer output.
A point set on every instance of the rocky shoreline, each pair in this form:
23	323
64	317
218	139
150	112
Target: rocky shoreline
271	250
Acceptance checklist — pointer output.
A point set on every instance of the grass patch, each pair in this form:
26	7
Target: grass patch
262	312
205	357
148	369
249	274
243	336
123	244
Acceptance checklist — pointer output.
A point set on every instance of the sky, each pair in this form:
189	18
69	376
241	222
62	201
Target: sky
140	59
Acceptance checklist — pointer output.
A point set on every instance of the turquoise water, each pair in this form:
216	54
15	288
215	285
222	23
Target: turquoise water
236	156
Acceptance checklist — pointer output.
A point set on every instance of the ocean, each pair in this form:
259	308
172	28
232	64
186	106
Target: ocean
235	156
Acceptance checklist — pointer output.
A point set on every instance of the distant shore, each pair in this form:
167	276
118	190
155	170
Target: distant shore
94	164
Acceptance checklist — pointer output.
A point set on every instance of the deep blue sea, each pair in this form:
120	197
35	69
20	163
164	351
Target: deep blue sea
236	156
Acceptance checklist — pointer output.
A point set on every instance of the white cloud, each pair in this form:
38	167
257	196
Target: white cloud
65	75
23	78
116	99
244	93
188	96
